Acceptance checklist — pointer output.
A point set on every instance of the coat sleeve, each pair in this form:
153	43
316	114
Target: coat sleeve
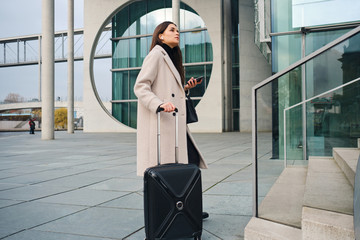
144	81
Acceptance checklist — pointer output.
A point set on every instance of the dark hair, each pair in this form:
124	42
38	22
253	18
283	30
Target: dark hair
177	51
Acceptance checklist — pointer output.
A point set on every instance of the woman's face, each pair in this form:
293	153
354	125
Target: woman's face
170	36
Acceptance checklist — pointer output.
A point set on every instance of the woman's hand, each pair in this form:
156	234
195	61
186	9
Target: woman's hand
191	84
168	107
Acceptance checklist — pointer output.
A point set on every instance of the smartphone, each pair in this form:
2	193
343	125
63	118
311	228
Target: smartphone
198	79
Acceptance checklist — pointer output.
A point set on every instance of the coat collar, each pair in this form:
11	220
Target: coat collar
170	65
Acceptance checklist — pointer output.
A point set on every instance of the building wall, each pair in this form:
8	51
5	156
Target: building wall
253	67
96	118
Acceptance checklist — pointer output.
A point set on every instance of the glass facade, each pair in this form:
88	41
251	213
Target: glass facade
235	86
325	72
131	38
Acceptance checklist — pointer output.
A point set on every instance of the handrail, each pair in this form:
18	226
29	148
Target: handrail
269	80
308	100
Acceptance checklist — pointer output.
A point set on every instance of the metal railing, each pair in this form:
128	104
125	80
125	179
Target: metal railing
255	105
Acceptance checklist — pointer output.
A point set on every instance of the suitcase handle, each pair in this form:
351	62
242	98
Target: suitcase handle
176	135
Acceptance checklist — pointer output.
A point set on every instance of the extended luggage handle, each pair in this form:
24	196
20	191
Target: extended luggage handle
176	135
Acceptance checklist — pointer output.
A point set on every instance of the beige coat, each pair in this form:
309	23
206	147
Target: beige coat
159	82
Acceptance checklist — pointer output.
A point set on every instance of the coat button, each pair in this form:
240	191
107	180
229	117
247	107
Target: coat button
173	95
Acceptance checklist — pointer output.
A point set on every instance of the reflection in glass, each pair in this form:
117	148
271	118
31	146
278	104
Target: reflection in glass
133	75
121	54
196	71
334	67
120	85
194	47
286	51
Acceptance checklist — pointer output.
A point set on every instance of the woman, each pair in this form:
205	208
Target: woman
160	83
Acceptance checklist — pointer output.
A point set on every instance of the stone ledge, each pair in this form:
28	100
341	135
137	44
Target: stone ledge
266	230
325	225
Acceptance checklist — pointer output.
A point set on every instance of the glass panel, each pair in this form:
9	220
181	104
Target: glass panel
281	12
334	67
120	85
316	40
333	120
121	112
102	78
195	71
168	14
235	76
182	46
121	54
194	47
269	166
120	23
138	51
306	13
133	76
154	18
192	20
137	18
133	114
208	47
208	74
286	51
236	98
288	94
294	136
236	120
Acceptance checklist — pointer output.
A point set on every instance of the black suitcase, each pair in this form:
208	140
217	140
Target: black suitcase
172	198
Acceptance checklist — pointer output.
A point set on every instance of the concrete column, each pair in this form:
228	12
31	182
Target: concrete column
40	56
176	12
47	86
70	103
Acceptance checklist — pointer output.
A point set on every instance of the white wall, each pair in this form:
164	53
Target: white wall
96	119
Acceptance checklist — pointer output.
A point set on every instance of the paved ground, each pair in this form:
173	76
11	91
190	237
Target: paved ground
83	186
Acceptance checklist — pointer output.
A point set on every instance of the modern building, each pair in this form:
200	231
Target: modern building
300	28
217	42
315	108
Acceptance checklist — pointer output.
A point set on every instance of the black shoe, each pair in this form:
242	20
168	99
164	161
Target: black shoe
205	215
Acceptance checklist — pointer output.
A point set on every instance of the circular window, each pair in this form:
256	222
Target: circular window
131	31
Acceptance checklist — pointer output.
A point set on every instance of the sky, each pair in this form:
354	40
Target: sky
23	17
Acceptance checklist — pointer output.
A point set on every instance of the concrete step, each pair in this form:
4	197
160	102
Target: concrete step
283	203
325	225
327	187
347	159
266	230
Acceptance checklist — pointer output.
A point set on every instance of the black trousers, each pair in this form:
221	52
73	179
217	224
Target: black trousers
193	155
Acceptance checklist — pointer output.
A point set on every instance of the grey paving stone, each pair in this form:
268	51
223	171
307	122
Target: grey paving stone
5	203
117	184
6	186
232	188
100	168
75	181
99	222
83	197
226	226
129	201
30	214
31	192
40	235
229	205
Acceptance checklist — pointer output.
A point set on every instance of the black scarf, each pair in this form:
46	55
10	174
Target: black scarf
170	51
